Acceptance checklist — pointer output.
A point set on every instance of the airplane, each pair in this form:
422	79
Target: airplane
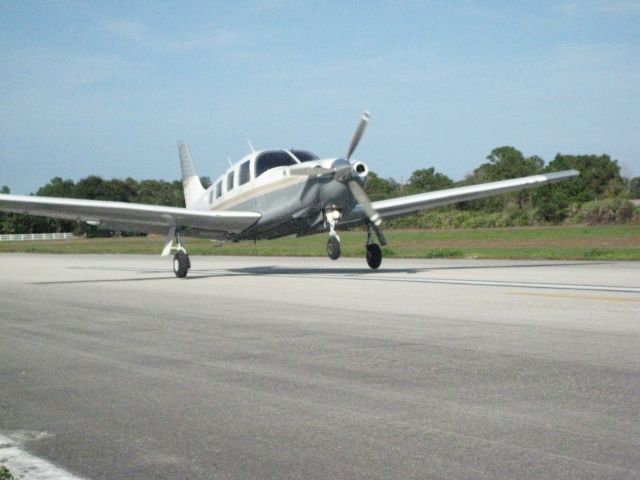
269	194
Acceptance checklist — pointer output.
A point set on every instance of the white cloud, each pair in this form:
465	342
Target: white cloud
142	35
589	7
135	31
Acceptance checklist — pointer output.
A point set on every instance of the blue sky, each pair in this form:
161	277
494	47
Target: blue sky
108	88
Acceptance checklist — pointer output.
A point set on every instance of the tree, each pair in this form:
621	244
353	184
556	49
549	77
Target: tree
18	223
379	188
205	181
599	178
57	187
427	180
3	216
634	188
159	192
504	163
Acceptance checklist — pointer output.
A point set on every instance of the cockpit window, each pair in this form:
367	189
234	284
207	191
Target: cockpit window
304	156
268	160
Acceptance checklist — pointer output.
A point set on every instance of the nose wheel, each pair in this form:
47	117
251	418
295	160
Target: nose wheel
333	247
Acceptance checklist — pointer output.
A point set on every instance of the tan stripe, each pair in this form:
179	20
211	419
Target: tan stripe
577	297
256	192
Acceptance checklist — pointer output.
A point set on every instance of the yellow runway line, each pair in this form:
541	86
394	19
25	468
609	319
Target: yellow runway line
577	297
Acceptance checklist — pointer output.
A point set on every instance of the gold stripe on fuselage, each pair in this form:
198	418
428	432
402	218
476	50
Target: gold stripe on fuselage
258	191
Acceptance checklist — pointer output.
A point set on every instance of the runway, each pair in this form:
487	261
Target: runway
305	368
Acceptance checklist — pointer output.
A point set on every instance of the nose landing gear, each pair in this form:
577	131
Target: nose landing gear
373	249
333	244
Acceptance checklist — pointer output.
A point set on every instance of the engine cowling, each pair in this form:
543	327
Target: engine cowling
361	169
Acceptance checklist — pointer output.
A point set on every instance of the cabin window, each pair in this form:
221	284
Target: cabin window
304	156
219	189
268	160
230	181
245	174
211	196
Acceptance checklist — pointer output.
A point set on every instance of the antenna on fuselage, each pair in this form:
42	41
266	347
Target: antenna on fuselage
250	146
229	162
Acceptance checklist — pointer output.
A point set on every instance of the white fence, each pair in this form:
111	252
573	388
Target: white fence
36	236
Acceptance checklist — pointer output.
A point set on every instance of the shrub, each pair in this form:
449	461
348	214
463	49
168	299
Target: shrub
609	211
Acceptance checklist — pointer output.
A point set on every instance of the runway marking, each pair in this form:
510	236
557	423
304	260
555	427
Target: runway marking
24	465
576	297
344	274
495	283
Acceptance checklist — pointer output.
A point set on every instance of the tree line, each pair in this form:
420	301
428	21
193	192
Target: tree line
599	187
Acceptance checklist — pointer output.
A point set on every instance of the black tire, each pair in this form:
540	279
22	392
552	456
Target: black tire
333	248
374	255
181	264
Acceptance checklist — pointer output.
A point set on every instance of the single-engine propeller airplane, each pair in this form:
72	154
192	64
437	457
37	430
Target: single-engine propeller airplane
268	194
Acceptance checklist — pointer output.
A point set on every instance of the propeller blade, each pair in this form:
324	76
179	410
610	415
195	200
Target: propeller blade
364	121
361	197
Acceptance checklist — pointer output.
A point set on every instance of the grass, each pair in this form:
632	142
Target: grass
620	242
5	474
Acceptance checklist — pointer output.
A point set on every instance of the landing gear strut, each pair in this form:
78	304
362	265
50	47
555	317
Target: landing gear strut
333	244
374	252
181	262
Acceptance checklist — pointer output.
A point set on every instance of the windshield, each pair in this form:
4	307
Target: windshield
268	160
303	155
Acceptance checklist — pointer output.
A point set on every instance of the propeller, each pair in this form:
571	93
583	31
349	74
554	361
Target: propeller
356	190
357	135
346	173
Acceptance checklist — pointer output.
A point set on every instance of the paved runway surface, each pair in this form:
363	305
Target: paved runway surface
111	368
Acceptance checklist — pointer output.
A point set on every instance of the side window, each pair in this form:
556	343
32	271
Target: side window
219	189
245	174
211	196
230	181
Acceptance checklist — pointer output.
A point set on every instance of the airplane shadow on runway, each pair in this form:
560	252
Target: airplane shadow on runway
274	270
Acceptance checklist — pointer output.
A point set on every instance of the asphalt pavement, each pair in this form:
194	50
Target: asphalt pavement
304	368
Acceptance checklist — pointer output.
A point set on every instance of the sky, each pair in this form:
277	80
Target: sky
108	88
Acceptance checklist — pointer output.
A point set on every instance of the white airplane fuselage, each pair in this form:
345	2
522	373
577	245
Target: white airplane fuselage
289	203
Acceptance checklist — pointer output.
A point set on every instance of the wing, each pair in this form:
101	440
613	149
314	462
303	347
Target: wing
398	207
134	217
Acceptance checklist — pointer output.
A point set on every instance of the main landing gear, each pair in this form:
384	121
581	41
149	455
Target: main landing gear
374	252
374	255
181	262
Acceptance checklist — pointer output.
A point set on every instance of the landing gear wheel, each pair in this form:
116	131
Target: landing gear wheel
333	248
374	255
181	264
